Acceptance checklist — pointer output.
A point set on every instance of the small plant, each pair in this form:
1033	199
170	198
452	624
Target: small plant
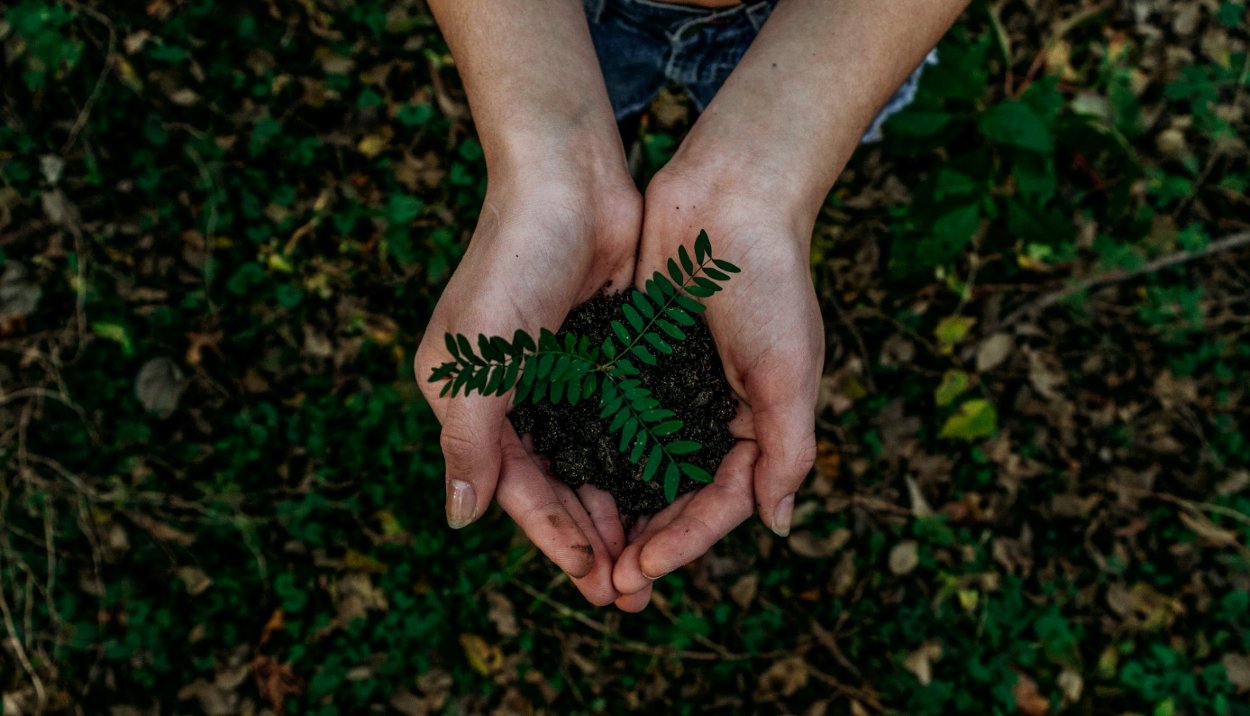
573	370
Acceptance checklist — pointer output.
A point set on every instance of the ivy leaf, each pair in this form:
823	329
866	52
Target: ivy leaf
1016	123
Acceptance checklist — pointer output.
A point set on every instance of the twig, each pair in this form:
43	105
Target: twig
81	120
1227	243
620	643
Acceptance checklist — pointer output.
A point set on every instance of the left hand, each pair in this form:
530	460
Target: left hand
767	327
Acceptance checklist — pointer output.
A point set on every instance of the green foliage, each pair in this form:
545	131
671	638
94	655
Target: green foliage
574	370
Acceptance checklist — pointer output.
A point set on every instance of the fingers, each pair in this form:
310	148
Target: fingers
636	602
550	514
604	516
686	530
785	431
472	426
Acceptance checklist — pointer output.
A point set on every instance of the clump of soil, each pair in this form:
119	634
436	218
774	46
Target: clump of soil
578	445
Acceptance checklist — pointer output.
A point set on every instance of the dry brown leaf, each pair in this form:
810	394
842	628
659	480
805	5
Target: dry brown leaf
1208	532
807	544
783	678
484	657
159	386
1237	668
743	591
1029	701
275	681
993	351
502	615
1072	685
194	579
920	662
904	557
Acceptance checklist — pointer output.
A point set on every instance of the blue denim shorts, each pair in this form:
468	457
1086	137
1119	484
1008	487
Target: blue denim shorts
644	45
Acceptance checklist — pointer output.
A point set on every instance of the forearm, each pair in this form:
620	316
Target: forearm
533	80
794	109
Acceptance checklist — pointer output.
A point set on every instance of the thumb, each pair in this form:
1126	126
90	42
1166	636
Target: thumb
472	426
786	435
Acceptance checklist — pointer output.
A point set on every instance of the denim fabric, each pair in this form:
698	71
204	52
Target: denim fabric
644	45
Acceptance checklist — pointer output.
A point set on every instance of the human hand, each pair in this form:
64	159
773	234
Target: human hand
768	329
544	243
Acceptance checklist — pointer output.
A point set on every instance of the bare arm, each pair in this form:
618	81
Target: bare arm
533	80
561	218
754	171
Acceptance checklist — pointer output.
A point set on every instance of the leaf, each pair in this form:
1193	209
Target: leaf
557	391
975	419
522	342
667	428
993	351
683	447
159	385
714	274
672	480
442	372
694	472
643	354
452	348
487	349
640	444
674	272
509	376
679	315
904	557
643	304
671	330
954	383
496	377
653	462
690	304
951	330
686	263
1016	123
466	350
726	266
658	343
632	316
621	332
627	432
702	247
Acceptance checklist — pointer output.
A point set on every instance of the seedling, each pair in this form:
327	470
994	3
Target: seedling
572	370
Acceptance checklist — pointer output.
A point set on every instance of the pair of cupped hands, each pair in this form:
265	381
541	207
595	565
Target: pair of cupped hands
552	233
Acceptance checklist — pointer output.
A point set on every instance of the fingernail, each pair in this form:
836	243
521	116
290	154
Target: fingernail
461	503
783	515
653	578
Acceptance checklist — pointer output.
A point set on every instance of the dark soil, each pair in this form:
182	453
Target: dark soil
690	382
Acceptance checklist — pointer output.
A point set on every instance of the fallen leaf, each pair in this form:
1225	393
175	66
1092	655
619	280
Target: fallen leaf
904	557
1237	668
1072	685
783	678
19	293
159	386
485	658
743	591
920	662
1029	701
975	419
993	351
502	615
275	681
807	544
194	579
953	384
952	330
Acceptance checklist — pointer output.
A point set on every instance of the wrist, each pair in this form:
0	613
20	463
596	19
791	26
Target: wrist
763	168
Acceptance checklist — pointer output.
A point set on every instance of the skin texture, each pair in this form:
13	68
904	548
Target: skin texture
562	217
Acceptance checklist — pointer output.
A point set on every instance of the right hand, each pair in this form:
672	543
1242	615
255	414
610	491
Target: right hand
544	243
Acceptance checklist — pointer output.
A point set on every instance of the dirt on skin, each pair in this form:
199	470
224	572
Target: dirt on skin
578	445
